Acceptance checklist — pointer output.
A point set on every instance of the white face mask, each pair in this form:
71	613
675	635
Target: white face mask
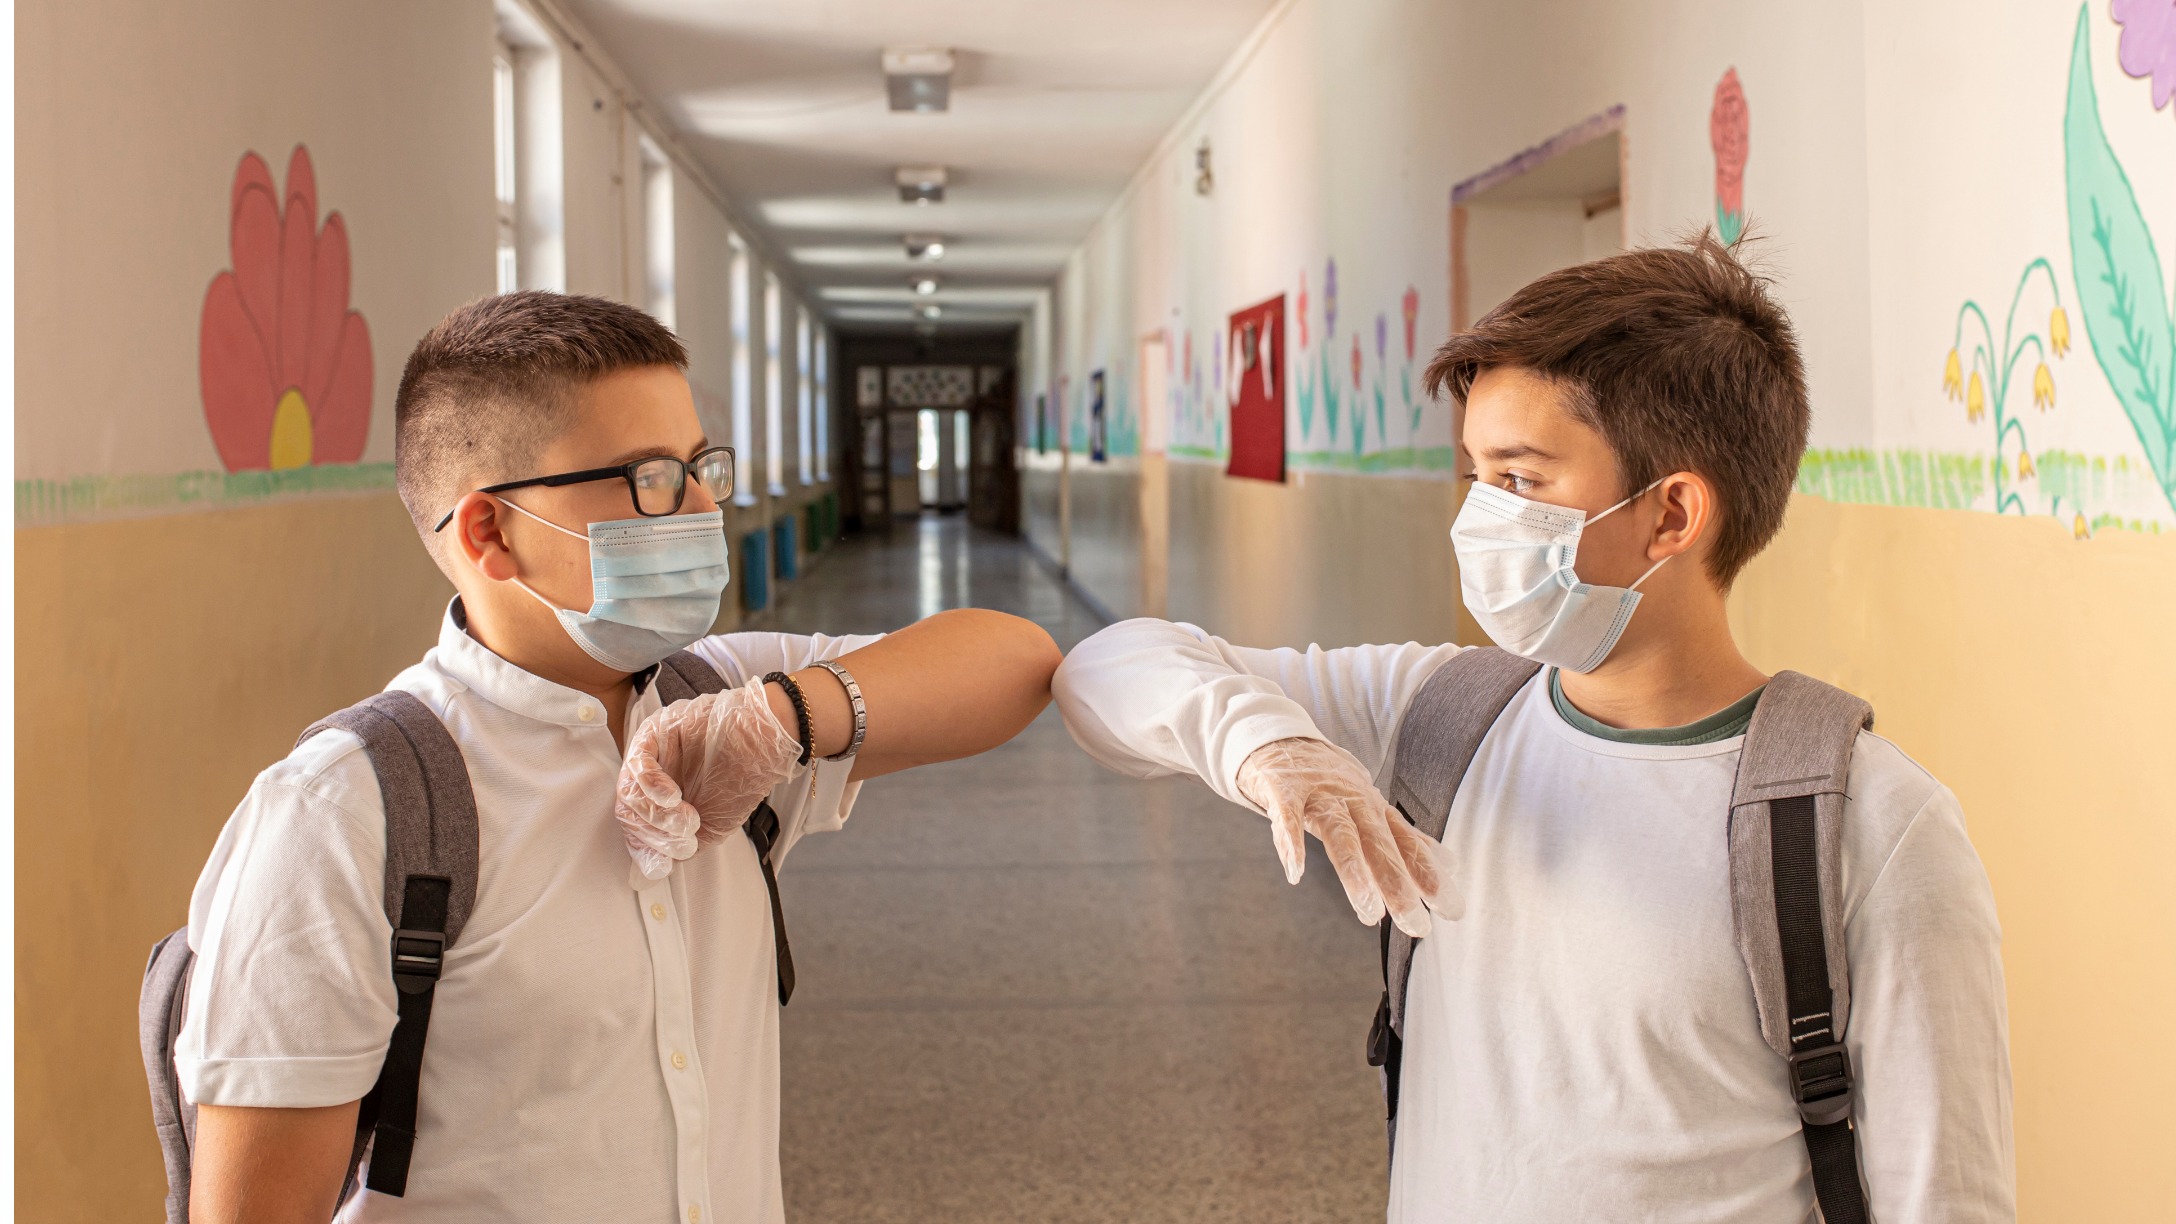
1515	572
655	585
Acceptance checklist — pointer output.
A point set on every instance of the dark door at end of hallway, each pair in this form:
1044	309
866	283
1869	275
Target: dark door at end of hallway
993	495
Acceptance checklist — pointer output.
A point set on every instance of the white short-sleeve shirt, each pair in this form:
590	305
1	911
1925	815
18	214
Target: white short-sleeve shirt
601	1047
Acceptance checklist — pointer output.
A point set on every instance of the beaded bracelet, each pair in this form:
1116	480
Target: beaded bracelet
800	710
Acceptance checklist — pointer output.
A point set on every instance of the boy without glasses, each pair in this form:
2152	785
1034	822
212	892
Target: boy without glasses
603	1041
1584	1043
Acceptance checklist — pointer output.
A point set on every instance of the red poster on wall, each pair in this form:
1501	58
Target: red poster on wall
1254	388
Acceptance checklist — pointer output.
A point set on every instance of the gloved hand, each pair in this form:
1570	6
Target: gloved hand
1313	786
694	771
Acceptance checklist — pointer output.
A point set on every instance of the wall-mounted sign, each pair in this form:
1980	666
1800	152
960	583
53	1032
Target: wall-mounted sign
1254	389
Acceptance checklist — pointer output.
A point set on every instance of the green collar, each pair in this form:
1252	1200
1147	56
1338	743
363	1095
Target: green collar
1723	724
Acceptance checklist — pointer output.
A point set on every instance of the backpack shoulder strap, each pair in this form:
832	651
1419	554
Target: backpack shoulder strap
1441	731
684	675
159	1011
1786	903
431	850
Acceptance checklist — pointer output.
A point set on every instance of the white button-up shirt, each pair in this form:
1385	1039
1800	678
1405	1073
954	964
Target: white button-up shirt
601	1047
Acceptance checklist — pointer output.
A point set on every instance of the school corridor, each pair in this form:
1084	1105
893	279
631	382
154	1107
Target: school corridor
1032	989
1119	310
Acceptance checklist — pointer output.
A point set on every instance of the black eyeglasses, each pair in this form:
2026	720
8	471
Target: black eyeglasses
658	485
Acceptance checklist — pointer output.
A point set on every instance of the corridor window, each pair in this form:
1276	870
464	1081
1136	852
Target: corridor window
657	245
774	390
823	403
502	139
744	410
804	422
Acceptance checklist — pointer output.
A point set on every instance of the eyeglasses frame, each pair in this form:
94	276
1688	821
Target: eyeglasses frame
625	471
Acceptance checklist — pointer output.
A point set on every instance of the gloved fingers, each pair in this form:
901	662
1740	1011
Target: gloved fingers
1287	829
1392	881
1332	824
1414	851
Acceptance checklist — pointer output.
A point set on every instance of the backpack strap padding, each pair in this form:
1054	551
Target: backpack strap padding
430	812
684	675
431	853
1442	730
159	1012
1798	745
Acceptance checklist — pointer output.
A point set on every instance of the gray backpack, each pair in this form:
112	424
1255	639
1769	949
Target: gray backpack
1786	882
430	887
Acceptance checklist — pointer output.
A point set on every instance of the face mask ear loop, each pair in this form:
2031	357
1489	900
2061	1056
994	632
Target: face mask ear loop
1650	571
547	522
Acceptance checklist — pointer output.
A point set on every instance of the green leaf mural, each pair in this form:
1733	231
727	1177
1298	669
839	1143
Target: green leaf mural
2121	297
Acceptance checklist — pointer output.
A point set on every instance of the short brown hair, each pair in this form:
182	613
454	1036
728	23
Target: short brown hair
1684	361
491	385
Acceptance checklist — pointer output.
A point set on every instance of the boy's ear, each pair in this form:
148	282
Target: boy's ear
1689	512
479	537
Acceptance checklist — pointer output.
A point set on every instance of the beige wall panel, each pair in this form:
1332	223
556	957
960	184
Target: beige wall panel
1039	505
1105	544
160	664
1324	558
2032	673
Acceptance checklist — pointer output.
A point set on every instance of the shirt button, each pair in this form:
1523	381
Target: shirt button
679	1061
587	713
657	911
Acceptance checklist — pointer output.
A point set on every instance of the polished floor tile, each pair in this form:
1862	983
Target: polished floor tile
1031	989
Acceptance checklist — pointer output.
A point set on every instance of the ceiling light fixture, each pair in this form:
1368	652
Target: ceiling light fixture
918	79
920	184
928	311
925	286
926	247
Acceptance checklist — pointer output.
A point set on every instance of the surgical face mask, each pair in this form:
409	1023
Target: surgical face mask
655	584
1515	572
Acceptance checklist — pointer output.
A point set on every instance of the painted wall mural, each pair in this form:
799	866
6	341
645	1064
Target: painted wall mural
1347	387
1729	134
2023	428
284	364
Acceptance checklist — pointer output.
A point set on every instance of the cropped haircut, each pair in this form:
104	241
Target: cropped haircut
489	388
1681	358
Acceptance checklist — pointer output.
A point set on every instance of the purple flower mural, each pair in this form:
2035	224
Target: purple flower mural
2147	47
1329	300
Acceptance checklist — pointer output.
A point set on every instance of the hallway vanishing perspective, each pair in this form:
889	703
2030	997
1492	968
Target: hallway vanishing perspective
1031	989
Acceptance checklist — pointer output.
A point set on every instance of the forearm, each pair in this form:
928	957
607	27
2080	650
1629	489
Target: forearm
949	686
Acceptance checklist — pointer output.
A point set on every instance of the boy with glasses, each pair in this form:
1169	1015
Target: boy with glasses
1592	1038
603	1041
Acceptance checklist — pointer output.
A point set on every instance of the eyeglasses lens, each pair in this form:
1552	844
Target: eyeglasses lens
716	472
657	486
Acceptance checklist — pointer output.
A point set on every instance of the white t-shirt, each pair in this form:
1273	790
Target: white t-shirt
601	1047
1583	1044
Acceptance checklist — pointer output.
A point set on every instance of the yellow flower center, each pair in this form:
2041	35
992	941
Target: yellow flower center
291	442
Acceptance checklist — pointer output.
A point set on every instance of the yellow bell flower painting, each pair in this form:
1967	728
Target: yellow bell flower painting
2043	388
1993	357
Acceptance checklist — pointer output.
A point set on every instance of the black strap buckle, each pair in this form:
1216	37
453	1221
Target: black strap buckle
1381	1035
418	958
1822	1084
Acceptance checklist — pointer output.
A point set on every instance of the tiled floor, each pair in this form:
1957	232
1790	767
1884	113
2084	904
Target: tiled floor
1032	990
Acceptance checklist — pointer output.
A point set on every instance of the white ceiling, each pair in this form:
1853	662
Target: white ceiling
1054	105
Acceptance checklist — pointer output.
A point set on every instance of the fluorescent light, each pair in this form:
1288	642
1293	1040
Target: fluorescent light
920	184
926	285
918	79
927	247
928	310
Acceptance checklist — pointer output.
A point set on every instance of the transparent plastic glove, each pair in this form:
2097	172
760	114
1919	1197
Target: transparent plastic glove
1313	786
694	771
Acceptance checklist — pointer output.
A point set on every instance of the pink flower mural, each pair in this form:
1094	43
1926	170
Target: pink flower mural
283	364
2147	47
1729	133
1411	305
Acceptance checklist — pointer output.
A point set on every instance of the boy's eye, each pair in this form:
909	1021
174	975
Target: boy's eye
1515	483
